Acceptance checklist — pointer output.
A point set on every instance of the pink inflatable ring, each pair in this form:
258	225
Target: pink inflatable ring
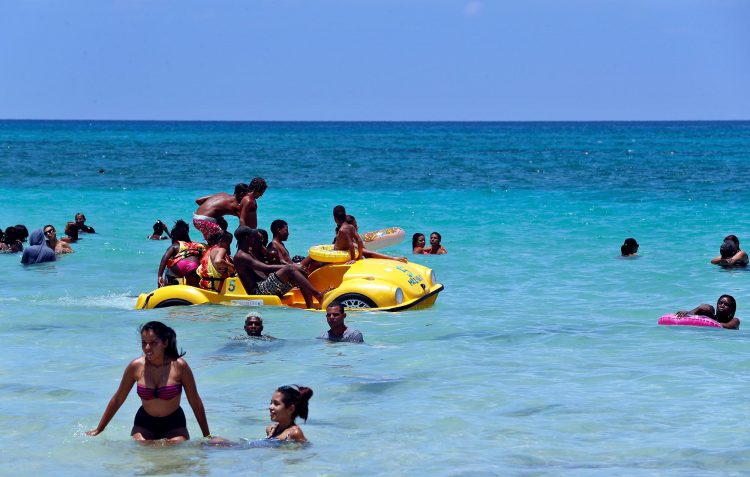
689	320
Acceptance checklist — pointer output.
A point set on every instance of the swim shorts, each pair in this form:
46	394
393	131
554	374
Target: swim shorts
271	286
206	225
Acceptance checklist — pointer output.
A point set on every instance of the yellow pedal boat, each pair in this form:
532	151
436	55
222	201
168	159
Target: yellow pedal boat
374	284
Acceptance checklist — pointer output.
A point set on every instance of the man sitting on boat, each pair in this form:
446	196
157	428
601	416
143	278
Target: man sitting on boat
259	278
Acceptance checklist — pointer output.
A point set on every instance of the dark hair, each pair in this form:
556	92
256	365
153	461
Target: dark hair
263	237
728	249
277	225
165	334
22	232
217	237
440	237
10	235
82	215
350	219
629	247
297	395
337	303
258	184
243	232
71	230
733	238
159	227
240	191
414	239
339	213
222	223
732	304
180	231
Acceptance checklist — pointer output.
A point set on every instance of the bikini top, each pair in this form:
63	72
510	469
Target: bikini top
164	392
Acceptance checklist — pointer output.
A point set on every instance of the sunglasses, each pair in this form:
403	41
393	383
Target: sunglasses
48	231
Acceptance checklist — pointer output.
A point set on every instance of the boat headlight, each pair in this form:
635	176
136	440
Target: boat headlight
399	296
433	278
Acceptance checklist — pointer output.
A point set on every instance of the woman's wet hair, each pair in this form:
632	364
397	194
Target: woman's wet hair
732	304
728	249
22	232
215	238
277	225
71	230
10	235
297	395
258	184
629	247
734	239
414	239
159	227
167	335
181	231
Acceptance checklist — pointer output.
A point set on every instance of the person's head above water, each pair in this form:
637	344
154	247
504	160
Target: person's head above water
240	191
435	238
734	239
417	240
728	249
253	324
629	247
726	307
295	401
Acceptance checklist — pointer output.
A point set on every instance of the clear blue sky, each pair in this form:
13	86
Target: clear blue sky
375	59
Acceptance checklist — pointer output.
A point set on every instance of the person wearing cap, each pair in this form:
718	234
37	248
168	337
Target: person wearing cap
335	315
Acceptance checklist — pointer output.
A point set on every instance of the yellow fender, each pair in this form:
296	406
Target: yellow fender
170	296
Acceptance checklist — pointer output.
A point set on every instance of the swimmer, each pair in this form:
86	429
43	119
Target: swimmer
724	314
11	242
22	232
629	248
160	228
71	233
209	217
160	374
58	246
37	251
287	403
80	221
248	206
435	248
730	254
417	244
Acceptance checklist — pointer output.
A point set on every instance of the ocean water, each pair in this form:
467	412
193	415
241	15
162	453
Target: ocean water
541	357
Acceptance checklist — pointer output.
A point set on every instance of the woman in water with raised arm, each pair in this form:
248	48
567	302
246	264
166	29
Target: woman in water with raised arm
161	374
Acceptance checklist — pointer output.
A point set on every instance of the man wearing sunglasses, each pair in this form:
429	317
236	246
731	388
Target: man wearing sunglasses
60	247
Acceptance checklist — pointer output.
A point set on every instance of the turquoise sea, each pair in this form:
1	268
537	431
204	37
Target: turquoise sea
541	357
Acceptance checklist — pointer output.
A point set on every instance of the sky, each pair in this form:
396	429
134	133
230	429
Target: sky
375	60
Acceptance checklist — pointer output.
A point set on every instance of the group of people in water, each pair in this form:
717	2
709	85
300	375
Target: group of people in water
730	256
161	375
44	245
435	248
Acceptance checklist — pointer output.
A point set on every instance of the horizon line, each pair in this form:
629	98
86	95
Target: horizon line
379	120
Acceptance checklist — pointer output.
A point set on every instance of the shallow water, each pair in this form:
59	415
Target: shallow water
541	357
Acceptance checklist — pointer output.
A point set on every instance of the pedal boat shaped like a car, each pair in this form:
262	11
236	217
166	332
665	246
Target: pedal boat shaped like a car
385	285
